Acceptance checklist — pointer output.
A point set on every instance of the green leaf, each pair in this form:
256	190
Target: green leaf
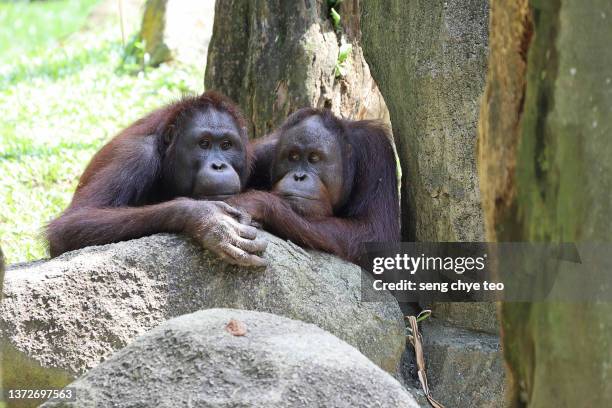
345	51
339	70
335	17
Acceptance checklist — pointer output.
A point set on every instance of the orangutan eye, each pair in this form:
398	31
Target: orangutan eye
205	144
226	145
314	158
294	156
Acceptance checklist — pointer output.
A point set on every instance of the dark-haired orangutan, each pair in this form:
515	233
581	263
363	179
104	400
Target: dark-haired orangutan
333	184
167	172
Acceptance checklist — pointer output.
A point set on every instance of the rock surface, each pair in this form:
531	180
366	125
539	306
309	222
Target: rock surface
546	176
464	368
431	71
429	61
75	310
478	316
193	360
274	57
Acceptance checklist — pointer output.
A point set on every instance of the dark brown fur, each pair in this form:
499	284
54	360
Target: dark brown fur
120	194
370	211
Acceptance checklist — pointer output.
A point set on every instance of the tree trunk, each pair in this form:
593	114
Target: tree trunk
546	175
429	59
274	57
1	272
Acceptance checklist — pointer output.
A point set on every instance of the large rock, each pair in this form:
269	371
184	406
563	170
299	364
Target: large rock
477	316
274	57
73	311
464	368
429	60
270	361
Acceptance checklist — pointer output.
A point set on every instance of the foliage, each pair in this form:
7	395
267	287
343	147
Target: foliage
333	13
335	18
345	49
60	104
134	58
343	54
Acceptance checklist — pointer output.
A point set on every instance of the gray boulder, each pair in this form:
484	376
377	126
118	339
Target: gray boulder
195	360
429	60
464	368
75	310
477	316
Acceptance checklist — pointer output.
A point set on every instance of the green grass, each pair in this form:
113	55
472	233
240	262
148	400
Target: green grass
59	105
27	27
